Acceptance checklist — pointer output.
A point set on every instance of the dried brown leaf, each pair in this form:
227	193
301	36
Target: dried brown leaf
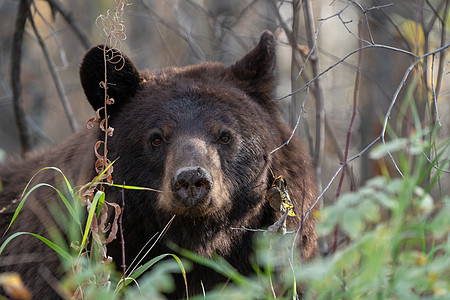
115	227
304	50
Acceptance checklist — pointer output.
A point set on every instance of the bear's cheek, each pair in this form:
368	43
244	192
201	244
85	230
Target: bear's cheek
193	181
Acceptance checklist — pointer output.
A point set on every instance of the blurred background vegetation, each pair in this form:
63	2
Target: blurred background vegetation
318	47
355	76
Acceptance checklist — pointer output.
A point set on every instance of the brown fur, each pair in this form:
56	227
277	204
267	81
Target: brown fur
189	109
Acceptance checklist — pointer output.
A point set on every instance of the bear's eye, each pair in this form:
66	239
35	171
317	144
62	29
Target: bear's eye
225	138
156	140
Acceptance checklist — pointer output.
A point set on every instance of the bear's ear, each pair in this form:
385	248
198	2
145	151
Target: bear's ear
256	71
122	77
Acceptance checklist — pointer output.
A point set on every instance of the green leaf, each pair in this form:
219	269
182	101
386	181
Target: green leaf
66	203
69	187
49	243
98	195
217	264
148	265
101	201
370	211
61	195
352	223
130	187
381	150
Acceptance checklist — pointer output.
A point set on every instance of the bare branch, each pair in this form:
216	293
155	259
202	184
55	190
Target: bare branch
62	52
16	57
320	111
76	28
343	59
296	124
334	177
191	43
350	127
56	80
355	109
399	88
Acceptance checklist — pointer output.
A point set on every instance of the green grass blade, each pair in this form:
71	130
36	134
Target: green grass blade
69	187
100	175
131	187
49	243
139	272
217	264
61	195
97	196
101	201
148	265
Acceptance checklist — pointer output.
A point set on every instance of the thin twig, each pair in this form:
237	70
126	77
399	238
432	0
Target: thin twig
142	249
338	149
191	43
350	127
394	98
437	166
296	124
343	59
38	131
398	31
381	136
320	110
62	52
73	24
55	77
333	178
228	27
122	239
435	15
163	232
318	95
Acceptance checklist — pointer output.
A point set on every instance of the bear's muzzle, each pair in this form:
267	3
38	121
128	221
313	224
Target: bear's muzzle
192	185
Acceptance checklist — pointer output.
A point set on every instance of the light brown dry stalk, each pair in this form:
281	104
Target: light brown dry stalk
113	25
115	32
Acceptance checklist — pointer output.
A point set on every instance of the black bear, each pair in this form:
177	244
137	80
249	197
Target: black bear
203	135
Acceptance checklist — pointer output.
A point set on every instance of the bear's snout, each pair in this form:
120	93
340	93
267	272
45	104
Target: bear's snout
192	185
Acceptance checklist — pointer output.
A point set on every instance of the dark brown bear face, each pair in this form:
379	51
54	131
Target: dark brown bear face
195	133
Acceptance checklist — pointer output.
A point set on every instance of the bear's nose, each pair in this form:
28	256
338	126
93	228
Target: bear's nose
192	184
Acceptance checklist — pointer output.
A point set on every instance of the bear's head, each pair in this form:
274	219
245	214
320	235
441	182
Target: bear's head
201	134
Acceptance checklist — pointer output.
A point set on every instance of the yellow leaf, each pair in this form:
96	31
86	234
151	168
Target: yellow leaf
13	286
413	32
